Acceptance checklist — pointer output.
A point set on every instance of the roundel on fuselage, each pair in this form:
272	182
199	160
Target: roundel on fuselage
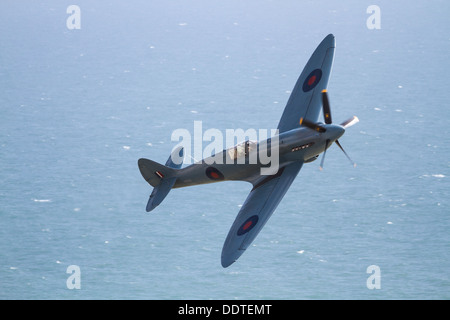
214	174
312	80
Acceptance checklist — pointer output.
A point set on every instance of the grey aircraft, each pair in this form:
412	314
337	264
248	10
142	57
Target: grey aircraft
301	138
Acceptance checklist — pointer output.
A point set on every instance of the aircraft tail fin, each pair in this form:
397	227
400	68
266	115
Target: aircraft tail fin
161	177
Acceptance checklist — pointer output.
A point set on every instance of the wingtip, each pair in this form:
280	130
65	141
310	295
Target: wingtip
228	258
226	262
330	40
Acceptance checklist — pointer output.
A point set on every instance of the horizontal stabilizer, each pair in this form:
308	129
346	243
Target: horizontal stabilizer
159	193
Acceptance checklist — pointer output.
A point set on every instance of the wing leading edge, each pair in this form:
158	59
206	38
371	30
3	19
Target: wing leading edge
305	100
257	209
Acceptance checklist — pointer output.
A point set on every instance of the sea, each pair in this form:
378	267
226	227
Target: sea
89	87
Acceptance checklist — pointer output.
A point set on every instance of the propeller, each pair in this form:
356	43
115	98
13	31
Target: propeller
348	123
323	157
326	107
327	118
312	125
351	161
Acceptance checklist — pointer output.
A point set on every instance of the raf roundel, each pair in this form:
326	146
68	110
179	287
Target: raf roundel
247	225
214	174
312	80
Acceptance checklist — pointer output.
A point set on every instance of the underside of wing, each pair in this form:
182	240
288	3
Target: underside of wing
262	201
305	100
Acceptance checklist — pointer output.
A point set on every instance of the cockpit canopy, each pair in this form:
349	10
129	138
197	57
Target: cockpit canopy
242	149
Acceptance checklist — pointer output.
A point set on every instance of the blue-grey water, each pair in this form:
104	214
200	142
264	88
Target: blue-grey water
78	107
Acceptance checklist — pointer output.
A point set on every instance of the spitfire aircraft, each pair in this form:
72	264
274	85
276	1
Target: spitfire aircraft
301	138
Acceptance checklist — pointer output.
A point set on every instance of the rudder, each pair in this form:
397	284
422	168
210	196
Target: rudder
161	177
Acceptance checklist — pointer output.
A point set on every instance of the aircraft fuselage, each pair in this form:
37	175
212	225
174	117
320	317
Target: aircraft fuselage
300	144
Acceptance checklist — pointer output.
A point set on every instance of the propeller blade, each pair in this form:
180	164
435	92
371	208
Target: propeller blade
348	123
339	145
311	125
323	157
326	107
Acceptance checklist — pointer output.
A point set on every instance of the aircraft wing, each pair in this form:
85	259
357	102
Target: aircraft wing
305	100
262	201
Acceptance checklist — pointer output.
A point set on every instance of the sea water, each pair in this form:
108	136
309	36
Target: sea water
79	106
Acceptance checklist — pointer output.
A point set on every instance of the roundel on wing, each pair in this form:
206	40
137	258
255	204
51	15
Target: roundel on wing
247	225
214	174
312	80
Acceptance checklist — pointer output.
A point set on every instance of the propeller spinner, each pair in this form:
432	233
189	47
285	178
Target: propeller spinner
327	118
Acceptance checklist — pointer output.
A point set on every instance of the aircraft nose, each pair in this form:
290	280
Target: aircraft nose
335	132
